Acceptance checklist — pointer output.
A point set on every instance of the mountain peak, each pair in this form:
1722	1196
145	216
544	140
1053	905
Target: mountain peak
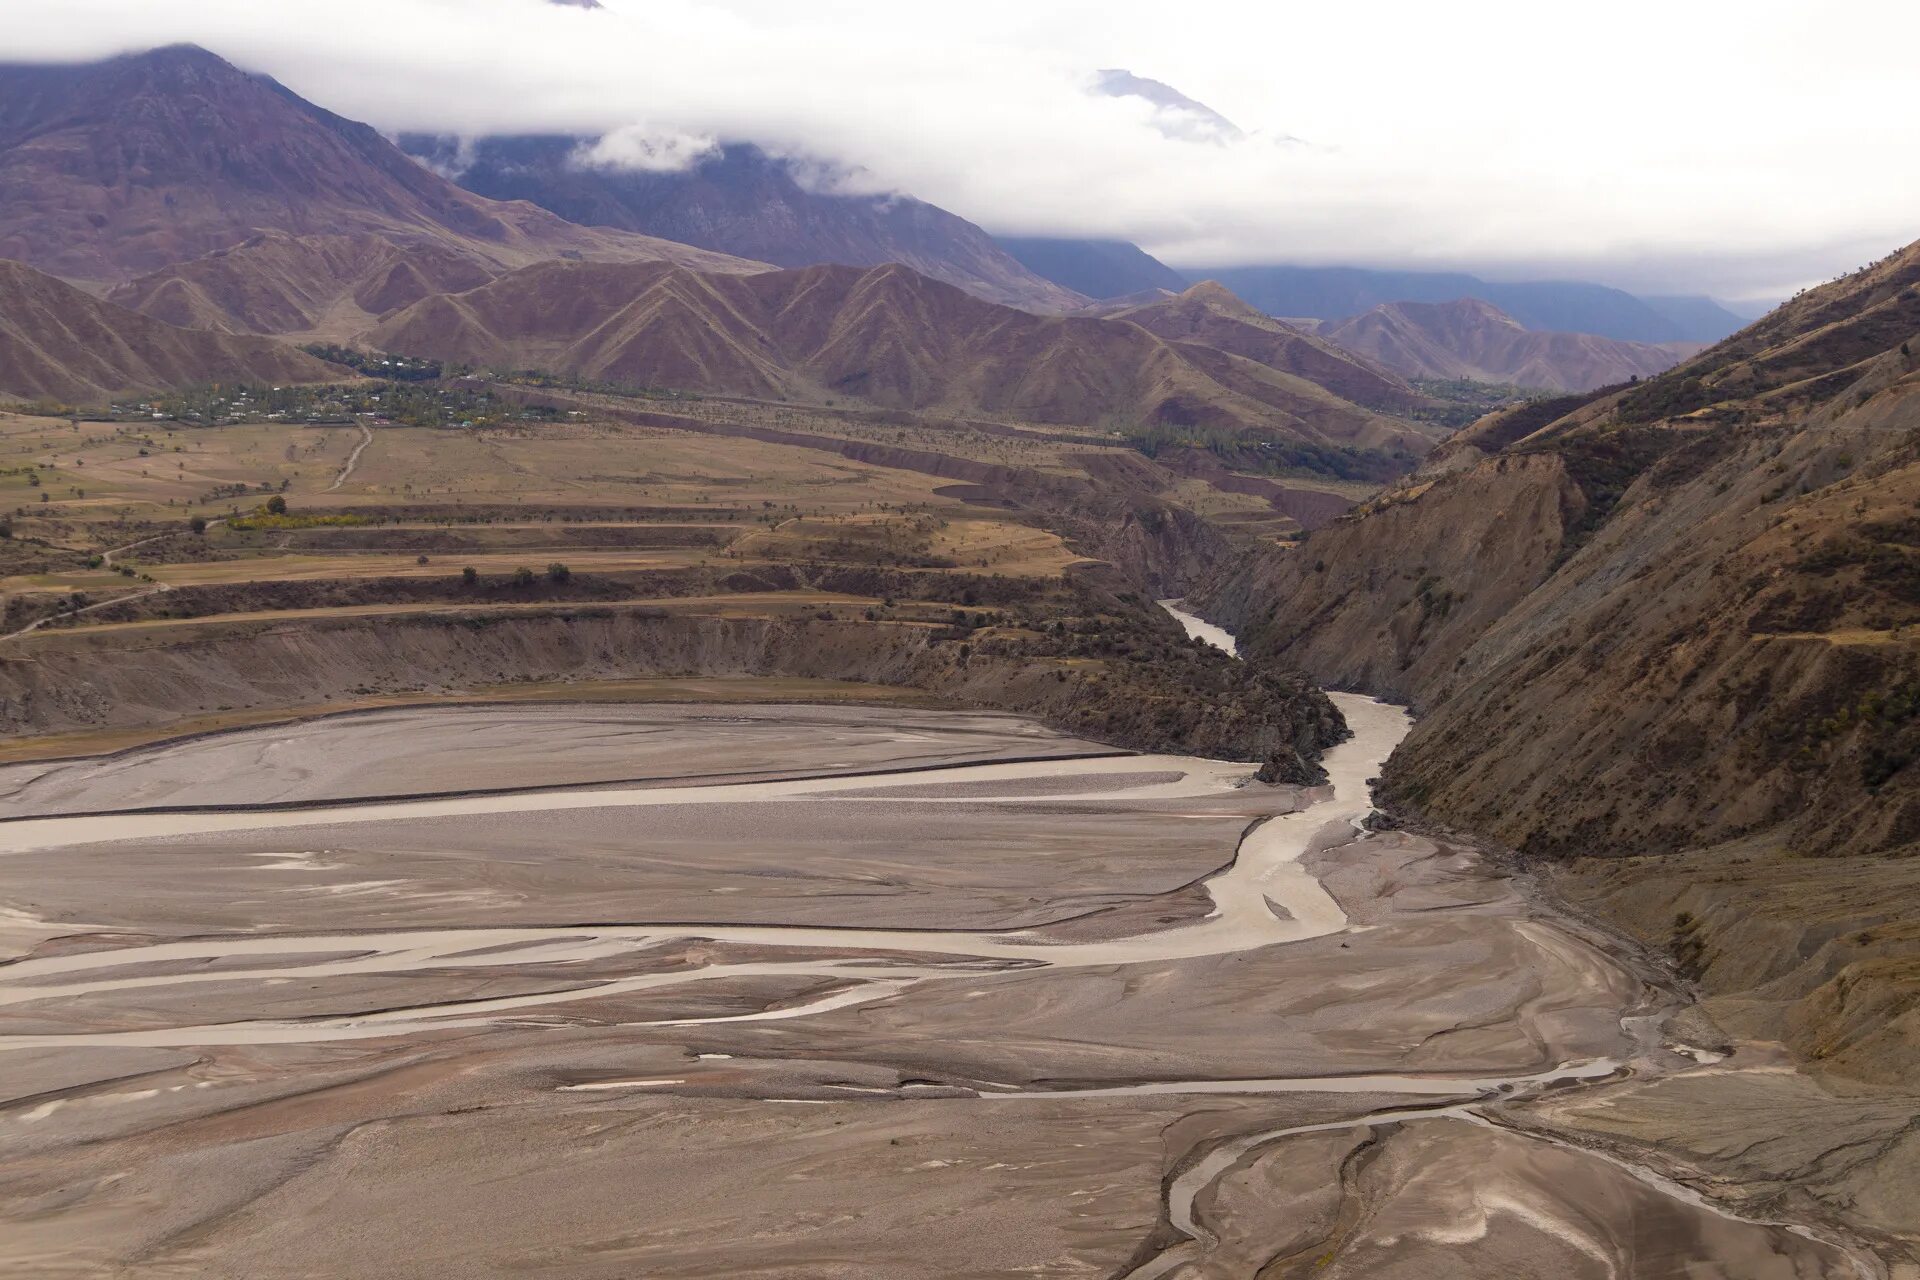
1176	115
1215	294
134	163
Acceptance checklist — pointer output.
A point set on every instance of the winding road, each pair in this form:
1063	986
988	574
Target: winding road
353	459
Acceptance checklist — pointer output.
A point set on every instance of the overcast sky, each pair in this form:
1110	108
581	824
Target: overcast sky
1741	149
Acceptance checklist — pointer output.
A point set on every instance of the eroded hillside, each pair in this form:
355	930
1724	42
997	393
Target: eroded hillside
1678	616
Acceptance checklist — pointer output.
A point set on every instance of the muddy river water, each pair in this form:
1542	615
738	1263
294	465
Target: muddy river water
807	992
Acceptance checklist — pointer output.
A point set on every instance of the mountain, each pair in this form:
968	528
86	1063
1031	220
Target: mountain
115	168
58	342
320	287
1095	268
1468	338
1678	619
1175	114
740	200
1699	319
883	336
1332	293
1208	313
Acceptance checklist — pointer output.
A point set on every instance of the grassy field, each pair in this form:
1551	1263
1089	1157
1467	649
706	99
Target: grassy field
98	472
307	568
170	544
600	497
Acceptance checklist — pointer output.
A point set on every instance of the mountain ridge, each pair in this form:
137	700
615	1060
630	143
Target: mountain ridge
884	335
740	200
1473	339
1571	306
59	342
1212	315
317	286
115	168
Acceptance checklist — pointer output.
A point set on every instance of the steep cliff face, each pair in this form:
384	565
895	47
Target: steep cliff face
1723	656
1635	632
1389	599
1122	674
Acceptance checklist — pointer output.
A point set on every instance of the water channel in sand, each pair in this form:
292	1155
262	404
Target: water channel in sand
1263	897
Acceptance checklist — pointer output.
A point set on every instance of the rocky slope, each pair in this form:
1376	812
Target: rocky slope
318	286
740	200
1468	338
1674	619
884	336
115	168
59	343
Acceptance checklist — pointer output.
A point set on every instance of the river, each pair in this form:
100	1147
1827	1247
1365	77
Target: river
1276	894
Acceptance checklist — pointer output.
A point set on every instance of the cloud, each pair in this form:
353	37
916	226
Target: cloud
1496	136
636	146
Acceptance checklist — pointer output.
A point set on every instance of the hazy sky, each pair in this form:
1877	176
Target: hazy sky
1741	149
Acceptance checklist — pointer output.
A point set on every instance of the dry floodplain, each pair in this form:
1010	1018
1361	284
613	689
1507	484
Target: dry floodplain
630	990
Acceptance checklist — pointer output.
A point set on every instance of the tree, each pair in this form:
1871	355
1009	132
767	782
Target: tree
276	505
523	577
557	572
198	524
470	575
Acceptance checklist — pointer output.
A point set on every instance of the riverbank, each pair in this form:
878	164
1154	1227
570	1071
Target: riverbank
1117	1015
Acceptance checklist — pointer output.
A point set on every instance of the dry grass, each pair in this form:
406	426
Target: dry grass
307	568
753	604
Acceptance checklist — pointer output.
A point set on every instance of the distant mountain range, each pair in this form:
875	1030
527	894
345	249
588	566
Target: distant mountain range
115	168
219	203
1107	269
1334	293
1468	338
739	200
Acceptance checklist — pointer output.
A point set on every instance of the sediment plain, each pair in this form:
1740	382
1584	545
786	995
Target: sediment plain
790	990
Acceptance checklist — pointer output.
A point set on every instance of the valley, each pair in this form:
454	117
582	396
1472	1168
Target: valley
590	687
